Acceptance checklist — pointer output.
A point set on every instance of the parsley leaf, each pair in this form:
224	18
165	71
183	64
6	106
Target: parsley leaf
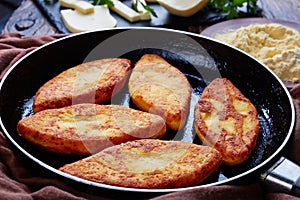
234	8
147	8
102	2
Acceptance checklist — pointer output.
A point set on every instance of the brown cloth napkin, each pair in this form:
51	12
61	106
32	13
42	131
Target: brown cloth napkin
21	182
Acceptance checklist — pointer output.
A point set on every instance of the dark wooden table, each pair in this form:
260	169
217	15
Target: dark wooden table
28	19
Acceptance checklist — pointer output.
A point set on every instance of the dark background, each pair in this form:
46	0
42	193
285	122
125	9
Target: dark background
7	7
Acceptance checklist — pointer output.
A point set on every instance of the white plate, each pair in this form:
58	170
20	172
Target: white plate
232	25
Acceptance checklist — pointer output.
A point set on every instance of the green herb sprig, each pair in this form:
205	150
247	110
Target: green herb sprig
146	7
232	8
102	2
94	2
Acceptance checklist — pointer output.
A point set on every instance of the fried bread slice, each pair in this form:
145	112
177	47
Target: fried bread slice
226	120
91	82
148	163
157	87
88	128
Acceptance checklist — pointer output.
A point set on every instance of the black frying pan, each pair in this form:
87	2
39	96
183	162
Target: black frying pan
200	59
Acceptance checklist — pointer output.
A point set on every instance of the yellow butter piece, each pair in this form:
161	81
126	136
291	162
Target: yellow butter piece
183	8
68	3
84	7
76	21
144	14
125	11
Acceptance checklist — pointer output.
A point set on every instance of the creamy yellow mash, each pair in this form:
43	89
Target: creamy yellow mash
277	46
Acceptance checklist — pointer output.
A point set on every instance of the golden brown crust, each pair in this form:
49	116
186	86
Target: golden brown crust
156	86
226	120
148	163
89	128
90	82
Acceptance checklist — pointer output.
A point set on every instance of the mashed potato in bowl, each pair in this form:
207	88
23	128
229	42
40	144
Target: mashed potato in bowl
276	45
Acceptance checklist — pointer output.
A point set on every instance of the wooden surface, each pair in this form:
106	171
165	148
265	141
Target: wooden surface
281	9
28	19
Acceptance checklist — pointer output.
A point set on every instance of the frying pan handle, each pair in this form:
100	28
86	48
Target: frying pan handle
283	176
296	188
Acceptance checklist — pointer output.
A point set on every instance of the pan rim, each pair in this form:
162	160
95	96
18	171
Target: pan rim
111	187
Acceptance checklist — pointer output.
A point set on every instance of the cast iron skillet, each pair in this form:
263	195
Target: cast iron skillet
201	59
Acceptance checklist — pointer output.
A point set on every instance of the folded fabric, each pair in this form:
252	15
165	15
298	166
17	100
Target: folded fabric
22	182
13	46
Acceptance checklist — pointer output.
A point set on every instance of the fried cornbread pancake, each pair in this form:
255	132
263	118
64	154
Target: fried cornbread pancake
91	82
148	163
88	128
157	87
226	120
